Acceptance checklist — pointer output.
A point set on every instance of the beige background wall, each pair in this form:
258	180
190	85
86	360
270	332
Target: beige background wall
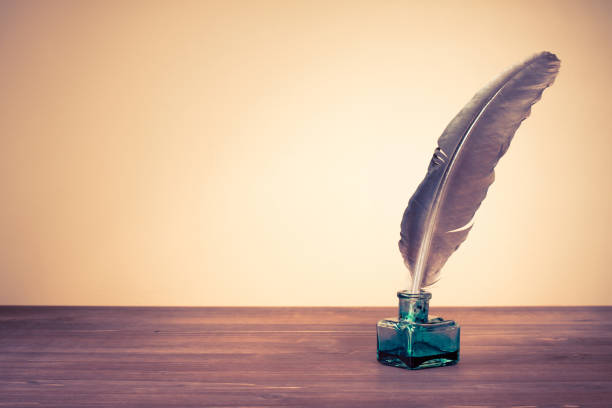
262	153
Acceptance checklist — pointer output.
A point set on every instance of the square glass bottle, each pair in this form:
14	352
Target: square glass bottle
414	341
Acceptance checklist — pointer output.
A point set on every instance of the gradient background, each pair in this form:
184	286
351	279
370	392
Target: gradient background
262	153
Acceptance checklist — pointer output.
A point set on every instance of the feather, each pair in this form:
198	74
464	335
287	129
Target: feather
439	214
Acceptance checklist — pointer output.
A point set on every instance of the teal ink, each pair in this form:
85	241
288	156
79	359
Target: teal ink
415	341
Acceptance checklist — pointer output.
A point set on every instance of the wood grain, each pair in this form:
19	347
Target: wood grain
296	357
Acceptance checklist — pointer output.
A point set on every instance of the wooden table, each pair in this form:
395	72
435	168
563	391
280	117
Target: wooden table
296	357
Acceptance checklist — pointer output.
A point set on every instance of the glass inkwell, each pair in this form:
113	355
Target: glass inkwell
413	340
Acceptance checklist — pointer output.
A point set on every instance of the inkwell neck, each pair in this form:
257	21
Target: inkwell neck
414	307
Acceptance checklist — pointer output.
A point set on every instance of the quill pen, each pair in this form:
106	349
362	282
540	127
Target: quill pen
439	214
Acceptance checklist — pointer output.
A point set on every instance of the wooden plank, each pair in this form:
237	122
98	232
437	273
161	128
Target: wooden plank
296	357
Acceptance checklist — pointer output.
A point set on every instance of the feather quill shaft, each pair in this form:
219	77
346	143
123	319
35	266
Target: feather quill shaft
439	214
